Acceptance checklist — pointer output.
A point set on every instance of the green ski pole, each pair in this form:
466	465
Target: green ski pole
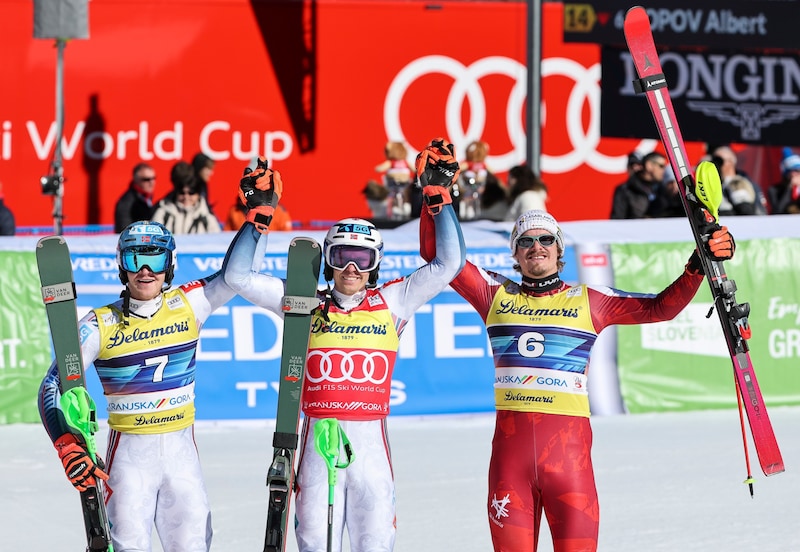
80	413
329	439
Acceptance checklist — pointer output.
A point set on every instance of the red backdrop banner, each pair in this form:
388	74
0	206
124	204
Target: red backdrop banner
318	88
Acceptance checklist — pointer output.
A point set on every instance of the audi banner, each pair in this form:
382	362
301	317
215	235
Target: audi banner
305	84
718	97
734	24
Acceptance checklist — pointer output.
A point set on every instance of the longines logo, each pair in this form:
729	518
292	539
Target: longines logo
748	91
749	117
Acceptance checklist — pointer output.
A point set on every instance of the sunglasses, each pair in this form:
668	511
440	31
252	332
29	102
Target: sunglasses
365	259
157	259
187	192
146	178
526	242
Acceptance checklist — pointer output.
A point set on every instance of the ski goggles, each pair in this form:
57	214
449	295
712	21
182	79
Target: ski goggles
365	259
133	259
526	242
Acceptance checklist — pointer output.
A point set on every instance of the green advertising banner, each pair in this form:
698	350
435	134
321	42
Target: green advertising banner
25	351
683	364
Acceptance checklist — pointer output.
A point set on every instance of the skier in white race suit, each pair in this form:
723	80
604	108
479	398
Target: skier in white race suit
143	348
353	345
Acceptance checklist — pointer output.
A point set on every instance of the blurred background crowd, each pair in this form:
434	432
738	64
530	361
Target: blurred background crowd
184	204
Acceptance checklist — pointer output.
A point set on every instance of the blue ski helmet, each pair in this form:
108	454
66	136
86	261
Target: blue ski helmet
146	243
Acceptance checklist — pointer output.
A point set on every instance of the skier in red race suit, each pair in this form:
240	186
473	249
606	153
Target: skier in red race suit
355	335
541	332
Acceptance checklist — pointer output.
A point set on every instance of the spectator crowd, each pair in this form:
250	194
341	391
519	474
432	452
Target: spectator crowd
185	209
650	190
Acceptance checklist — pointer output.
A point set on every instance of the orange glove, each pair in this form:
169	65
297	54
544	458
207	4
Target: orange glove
435	198
437	170
260	190
721	244
81	470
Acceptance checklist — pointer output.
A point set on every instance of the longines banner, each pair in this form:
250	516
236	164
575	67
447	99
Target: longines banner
718	97
712	23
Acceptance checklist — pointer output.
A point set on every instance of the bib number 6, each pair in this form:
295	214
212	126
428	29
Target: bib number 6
530	344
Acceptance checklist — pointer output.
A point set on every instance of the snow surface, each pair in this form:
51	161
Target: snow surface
666	482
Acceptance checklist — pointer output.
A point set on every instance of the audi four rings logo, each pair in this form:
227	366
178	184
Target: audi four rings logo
466	86
352	366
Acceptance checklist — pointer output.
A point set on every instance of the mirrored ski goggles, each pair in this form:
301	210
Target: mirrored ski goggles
365	259
157	259
526	242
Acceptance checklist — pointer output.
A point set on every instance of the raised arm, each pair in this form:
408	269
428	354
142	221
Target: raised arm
612	306
260	190
437	169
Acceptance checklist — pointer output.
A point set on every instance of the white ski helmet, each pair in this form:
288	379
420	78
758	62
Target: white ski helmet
353	232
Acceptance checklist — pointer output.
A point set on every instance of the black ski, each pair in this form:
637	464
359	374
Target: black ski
302	276
58	293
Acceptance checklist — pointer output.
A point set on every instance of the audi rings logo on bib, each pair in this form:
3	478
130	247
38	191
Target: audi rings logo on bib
467	113
337	366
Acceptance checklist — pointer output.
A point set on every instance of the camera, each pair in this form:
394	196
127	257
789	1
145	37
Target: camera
51	184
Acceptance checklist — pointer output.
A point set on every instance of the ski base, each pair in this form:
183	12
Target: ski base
302	277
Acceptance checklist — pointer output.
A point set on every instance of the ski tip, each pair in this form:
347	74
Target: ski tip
304	239
636	14
47	239
708	187
636	28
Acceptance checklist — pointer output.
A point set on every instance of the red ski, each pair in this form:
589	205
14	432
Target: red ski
732	315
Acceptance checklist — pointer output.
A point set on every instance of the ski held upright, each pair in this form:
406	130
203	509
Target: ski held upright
58	294
302	277
733	315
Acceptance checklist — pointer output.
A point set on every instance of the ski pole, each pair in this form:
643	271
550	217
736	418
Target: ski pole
80	413
329	439
709	191
750	479
708	188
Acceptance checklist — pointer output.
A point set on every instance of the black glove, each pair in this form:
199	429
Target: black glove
437	170
260	190
436	165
